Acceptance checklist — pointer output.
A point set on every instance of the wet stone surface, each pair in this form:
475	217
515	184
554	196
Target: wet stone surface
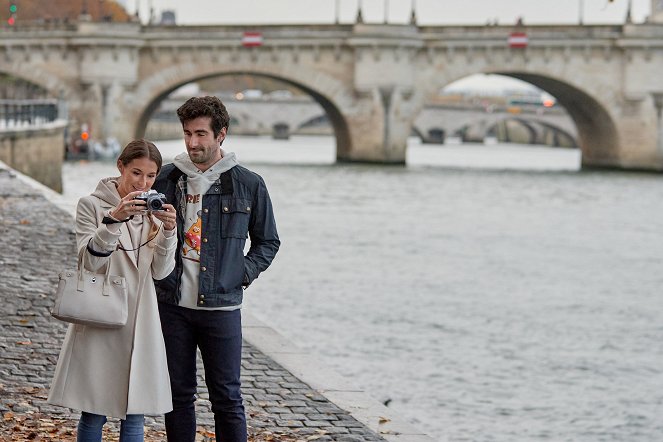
36	242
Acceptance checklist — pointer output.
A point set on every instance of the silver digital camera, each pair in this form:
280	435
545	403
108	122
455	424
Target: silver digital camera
153	200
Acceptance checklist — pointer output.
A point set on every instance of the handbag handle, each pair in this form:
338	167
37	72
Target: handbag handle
80	285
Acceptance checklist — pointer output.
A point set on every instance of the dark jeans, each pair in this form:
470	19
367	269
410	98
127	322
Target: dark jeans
218	334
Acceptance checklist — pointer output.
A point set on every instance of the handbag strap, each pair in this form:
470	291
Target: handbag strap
80	286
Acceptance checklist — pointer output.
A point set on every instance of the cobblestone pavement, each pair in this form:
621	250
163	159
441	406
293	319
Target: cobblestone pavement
36	242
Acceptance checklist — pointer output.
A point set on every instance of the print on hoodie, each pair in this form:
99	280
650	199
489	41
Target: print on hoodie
191	247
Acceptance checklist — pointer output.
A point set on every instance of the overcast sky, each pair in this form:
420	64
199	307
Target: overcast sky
428	11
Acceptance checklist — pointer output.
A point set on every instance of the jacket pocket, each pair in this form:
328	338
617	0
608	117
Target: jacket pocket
235	215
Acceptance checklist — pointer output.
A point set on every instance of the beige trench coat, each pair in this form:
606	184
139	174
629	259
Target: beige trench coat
115	372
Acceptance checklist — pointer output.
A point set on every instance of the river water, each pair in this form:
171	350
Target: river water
488	293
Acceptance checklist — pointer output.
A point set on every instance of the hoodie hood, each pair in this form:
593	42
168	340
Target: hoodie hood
107	191
184	163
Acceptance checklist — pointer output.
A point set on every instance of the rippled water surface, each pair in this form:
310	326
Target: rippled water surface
487	303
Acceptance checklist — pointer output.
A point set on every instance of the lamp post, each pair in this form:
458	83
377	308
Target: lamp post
413	13
581	10
386	11
338	8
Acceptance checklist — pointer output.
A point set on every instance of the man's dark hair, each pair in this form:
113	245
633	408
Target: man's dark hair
205	107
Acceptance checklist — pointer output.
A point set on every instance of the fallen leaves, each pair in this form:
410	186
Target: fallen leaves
268	436
24	422
35	427
31	426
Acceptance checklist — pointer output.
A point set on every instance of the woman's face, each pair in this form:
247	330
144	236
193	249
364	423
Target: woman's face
139	174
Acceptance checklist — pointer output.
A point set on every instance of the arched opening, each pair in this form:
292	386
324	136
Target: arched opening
26	105
281	131
16	88
521	130
597	134
259	105
519	109
435	135
318	125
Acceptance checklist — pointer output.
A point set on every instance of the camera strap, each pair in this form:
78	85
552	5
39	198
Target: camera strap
119	247
109	220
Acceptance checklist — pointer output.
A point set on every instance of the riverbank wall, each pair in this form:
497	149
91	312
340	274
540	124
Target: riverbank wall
37	152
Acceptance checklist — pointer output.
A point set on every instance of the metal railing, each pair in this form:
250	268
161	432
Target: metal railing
25	114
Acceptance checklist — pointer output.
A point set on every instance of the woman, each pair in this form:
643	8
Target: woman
121	372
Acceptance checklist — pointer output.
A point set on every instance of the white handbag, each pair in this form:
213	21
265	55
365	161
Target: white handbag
87	298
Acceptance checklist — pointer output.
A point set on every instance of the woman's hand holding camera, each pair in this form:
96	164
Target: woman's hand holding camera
167	216
128	207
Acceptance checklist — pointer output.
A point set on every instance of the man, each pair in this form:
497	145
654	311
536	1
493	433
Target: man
219	204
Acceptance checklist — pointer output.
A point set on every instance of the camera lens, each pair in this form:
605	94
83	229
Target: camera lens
154	203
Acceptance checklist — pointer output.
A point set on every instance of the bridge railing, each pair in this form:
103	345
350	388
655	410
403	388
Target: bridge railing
17	114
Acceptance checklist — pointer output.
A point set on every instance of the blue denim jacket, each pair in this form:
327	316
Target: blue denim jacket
235	207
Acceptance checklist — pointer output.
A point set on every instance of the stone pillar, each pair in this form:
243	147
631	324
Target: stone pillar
379	127
385	105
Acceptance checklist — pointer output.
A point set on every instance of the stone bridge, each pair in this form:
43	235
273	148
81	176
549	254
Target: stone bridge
372	80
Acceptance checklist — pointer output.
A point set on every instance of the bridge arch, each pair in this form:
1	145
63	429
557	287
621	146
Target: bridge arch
53	85
540	132
597	132
325	90
598	137
557	131
318	119
478	129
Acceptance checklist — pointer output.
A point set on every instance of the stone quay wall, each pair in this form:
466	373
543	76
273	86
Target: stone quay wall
36	151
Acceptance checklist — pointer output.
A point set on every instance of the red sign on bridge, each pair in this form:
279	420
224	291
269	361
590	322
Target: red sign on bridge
518	40
250	39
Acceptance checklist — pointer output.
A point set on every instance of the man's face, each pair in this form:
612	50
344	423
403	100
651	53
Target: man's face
203	147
